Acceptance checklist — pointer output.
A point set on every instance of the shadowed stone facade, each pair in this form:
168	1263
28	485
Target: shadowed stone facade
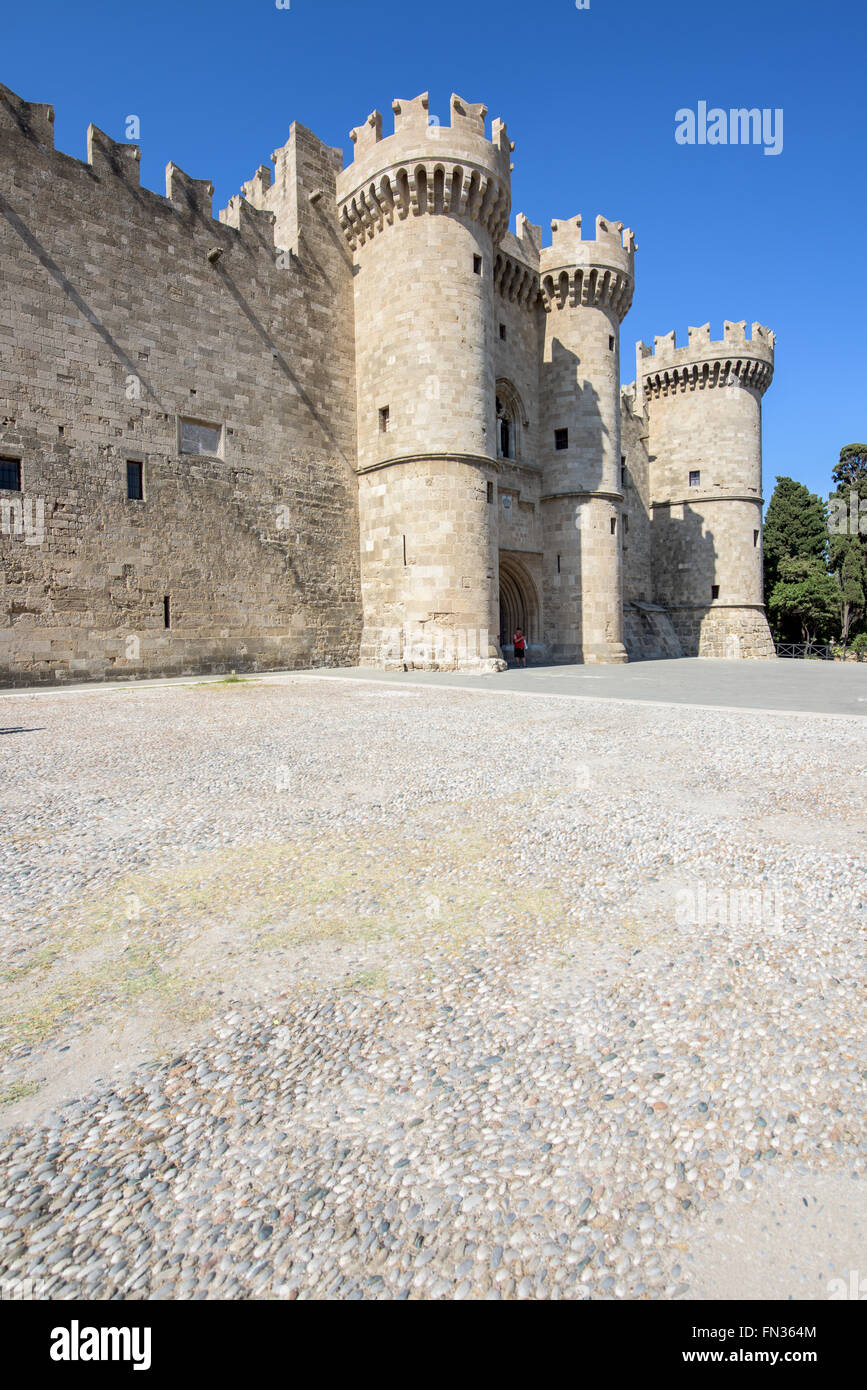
354	418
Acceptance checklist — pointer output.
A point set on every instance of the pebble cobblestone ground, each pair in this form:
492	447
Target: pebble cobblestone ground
319	989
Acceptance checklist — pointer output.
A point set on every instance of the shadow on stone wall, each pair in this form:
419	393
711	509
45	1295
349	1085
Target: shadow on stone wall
579	471
683	568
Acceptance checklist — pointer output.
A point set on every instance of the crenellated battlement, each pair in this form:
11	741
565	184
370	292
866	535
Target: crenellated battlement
107	156
193	195
516	263
702	362
412	118
425	167
254	224
567	243
255	188
112	159
597	272
34	120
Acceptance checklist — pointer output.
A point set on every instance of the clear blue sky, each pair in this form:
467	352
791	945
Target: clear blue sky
590	99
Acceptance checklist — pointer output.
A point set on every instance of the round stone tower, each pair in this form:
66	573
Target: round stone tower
704	417
586	291
422	211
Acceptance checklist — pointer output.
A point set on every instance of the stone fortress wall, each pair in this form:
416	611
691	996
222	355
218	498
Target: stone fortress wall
372	423
126	313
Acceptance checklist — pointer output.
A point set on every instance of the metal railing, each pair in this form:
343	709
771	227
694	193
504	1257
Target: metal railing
805	651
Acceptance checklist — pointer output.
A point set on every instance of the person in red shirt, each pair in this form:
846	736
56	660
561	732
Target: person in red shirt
520	642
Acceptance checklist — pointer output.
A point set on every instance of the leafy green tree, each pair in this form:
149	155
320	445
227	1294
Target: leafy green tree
847	524
805	602
848	502
795	529
852	584
852	468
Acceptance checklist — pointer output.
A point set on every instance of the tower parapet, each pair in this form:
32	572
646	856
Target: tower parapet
425	168
596	272
702	364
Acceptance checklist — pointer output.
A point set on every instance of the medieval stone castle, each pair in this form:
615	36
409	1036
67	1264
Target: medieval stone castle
356	419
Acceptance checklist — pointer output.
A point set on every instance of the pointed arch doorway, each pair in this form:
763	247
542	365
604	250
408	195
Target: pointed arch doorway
519	604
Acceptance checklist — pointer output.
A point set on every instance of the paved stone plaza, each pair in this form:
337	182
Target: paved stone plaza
316	986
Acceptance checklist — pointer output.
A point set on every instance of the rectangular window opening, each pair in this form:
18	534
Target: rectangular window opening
502	330
610	343
490	492
614	525
10	474
167	611
383	419
714	592
199	437
695	478
477	265
134	480
755	538
561	439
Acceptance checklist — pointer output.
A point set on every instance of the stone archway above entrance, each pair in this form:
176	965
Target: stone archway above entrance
519	599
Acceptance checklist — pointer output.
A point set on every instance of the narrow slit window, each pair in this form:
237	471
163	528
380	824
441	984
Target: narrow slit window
477	265
383	419
714	592
167	611
755	538
134	480
503	331
614	526
623	470
490	492
610	342
10	474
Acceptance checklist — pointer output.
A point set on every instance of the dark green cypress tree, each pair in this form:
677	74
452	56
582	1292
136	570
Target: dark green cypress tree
795	529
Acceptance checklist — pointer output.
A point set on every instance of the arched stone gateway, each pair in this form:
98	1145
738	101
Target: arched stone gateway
519	604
